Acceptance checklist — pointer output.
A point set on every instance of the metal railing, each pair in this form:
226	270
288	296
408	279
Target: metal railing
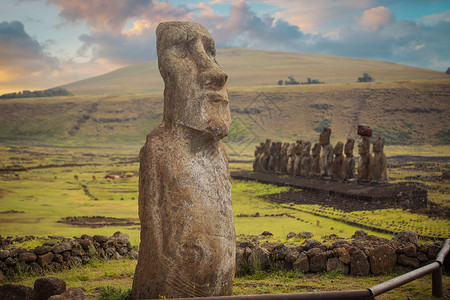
435	268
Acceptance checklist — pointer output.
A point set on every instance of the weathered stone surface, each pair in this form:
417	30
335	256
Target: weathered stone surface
302	263
317	262
310	243
100	238
61	247
326	158
16	252
349	161
433	250
42	249
410	250
27	256
259	260
76	260
47	287
77	249
58	258
2	277
315	159
291	235
337	166
73	293
334	264
45	259
4	254
422	257
406	237
364	130
382	259
16	292
359	264
408	261
187	229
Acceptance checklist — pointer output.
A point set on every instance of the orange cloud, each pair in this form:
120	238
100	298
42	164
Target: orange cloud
375	18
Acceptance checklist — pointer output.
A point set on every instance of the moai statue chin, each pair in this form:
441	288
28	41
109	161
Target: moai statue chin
349	161
326	158
187	244
338	160
378	163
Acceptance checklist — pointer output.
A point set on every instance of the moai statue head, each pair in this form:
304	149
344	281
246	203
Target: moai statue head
378	145
337	150
306	149
195	91
364	146
324	138
349	145
315	150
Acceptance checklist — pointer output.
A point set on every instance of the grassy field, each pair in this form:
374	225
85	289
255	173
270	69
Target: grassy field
49	191
246	67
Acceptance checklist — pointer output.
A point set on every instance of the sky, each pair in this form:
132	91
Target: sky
46	43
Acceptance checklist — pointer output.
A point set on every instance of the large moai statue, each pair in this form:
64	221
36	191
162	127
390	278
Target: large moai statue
187	246
378	162
258	152
277	159
298	157
326	158
284	158
306	159
338	160
291	159
364	172
264	160
272	154
349	161
364	165
315	160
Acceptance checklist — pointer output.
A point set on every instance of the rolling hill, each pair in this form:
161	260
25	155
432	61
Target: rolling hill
247	67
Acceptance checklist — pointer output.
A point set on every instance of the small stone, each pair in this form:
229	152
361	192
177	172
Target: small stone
66	255
100	238
110	251
10	261
132	254
422	257
410	250
433	250
77	249
318	262
266	233
27	257
35	268
76	260
302	263
359	264
73	293
42	249
62	247
306	235
58	258
45	259
360	234
406	237
15	291
4	254
334	264
259	260
312	252
291	235
408	261
382	259
48	286
16	251
309	244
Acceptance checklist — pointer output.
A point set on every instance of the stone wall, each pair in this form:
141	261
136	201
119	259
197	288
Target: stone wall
364	255
64	253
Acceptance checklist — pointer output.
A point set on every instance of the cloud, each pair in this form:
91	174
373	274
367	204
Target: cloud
20	54
375	18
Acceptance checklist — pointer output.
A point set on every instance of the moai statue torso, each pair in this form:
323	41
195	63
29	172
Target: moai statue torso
326	158
298	157
264	160
284	158
258	152
349	161
338	160
315	160
187	244
272	153
277	159
378	162
291	159
364	172
306	158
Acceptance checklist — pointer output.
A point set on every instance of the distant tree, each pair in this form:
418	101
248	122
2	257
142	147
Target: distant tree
280	82
45	93
312	81
291	81
448	71
365	78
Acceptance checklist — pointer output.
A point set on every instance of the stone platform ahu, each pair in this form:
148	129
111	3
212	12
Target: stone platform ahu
187	244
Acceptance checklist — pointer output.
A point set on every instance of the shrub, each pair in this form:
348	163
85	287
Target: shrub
366	78
114	293
321	124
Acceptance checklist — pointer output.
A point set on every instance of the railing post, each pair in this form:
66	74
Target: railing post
437	283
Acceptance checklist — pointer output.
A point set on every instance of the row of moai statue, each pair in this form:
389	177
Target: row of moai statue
323	159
